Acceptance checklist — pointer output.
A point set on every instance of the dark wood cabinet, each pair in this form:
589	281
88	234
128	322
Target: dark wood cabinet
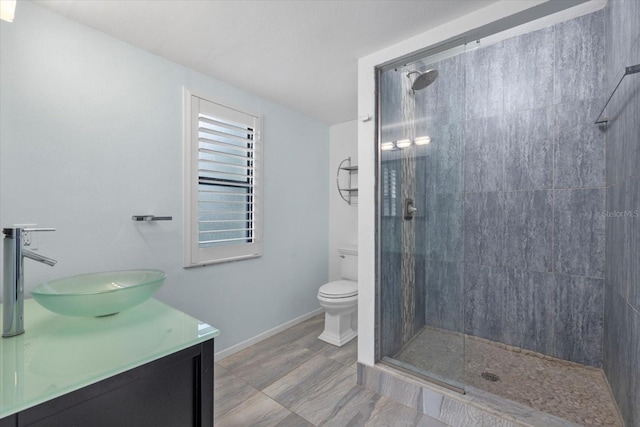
174	391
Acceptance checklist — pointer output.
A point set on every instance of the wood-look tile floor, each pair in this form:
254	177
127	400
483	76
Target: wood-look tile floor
294	379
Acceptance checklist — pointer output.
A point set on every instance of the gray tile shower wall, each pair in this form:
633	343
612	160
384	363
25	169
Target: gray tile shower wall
484	147
621	343
621	346
529	149
623	150
484	77
632	242
447	226
444	297
527	87
450	139
579	58
577	331
484	288
527	304
579	145
534	175
445	102
528	234
579	232
484	228
511	193
390	304
391	109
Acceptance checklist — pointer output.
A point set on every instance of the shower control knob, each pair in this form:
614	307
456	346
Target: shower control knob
409	209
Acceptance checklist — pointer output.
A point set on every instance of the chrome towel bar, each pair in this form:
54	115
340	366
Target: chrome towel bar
151	218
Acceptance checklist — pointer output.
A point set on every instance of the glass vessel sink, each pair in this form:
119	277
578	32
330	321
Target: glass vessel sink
98	294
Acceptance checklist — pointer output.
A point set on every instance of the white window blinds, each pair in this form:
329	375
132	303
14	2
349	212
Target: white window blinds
225	184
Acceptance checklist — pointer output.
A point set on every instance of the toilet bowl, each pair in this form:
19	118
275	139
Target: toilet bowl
340	301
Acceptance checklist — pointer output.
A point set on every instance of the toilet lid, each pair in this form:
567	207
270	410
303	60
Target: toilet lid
339	289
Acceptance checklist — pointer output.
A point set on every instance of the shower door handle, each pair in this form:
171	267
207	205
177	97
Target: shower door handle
409	209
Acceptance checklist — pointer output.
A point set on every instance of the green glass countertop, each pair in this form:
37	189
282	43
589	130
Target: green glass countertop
59	354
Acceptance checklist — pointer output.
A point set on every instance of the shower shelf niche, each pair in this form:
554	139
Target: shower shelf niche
349	193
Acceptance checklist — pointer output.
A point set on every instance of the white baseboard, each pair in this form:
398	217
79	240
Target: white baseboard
263	336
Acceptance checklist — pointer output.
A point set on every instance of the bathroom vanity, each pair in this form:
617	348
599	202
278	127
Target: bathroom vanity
149	365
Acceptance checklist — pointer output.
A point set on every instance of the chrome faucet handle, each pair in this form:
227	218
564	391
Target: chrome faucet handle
26	234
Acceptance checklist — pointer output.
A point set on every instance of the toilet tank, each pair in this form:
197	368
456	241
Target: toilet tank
348	262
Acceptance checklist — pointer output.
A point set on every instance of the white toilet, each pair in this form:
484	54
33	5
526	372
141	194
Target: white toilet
340	301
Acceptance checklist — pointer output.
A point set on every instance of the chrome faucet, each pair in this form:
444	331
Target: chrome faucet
13	278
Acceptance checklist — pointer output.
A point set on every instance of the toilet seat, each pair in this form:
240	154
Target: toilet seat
339	289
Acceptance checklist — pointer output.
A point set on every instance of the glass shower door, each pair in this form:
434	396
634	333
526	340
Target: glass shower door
420	221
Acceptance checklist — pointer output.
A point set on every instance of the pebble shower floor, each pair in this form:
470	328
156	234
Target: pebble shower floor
568	390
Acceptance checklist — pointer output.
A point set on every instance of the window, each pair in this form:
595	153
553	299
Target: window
223	184
389	188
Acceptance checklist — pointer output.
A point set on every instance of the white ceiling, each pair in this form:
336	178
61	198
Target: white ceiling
300	54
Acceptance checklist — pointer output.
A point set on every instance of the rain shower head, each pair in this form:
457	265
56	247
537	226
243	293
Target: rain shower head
424	79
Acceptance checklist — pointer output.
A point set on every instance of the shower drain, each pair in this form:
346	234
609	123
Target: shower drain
489	376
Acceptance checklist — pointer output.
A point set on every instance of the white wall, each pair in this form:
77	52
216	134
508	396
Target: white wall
367	147
343	218
91	133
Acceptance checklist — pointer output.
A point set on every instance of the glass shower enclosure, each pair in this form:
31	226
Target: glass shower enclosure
491	176
421	126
